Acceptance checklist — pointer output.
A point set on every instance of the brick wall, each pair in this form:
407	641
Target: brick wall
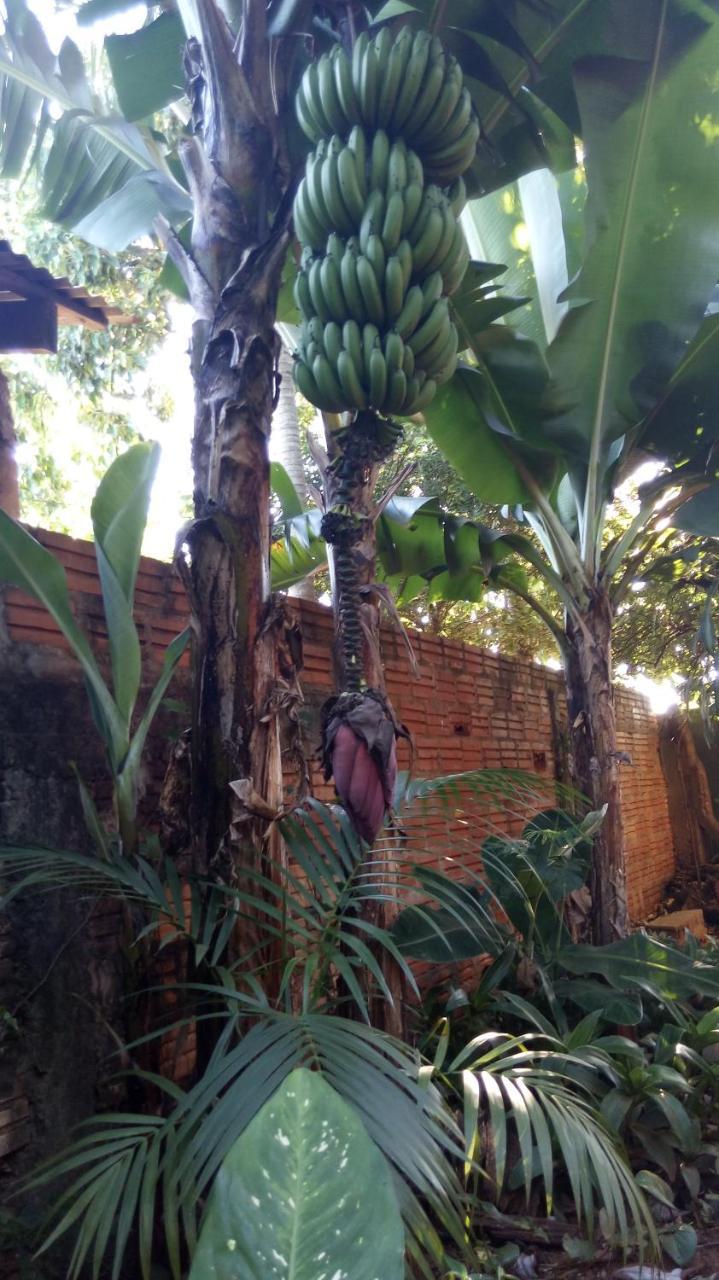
466	708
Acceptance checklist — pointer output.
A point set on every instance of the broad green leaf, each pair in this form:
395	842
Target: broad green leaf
26	564
119	510
641	962
479	417
653	182
127	779
130	210
700	514
146	66
684	424
304	1193
283	488
125	655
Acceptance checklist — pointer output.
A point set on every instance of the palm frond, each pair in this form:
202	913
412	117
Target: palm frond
531	1100
124	1165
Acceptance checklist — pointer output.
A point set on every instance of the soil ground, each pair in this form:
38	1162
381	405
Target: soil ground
555	1265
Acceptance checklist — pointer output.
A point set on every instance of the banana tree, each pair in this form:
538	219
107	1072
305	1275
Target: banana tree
621	368
214	178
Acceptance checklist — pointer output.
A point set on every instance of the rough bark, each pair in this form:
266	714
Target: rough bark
595	760
9	491
237	173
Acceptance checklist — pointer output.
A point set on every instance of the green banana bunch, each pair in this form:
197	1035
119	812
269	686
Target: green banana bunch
408	86
382	244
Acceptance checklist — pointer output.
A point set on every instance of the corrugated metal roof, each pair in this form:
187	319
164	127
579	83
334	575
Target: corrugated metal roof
20	280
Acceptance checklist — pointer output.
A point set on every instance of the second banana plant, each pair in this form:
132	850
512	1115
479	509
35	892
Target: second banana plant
393	130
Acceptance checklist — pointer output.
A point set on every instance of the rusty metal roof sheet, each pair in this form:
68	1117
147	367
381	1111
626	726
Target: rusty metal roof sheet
20	280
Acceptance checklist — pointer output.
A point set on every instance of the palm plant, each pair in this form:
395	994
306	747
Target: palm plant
290	1006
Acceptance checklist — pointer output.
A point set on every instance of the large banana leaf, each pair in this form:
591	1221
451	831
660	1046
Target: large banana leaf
94	153
653	180
521	225
304	1193
485	420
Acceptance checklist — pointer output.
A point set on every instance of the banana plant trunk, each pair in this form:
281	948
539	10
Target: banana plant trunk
595	759
237	171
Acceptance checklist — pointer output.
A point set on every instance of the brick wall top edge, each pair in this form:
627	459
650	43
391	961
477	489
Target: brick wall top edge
319	616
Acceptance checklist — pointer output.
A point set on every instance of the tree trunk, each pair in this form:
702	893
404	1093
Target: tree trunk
595	761
239	177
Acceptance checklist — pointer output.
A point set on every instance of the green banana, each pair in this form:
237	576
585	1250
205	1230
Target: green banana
358	51
437	320
411	313
357	142
315	195
314	279
377	379
426	246
459	119
368	96
307	123
415	168
446	241
413	389
350	190
396	391
327	89
369	288
370	341
408	364
373	218
331	283
335	246
406	261
431	291
423	398
352	342
446	102
436	354
327	382
374	250
354	392
332	195
393	352
445	362
345	88
307	386
412	85
453	271
309	229
412	200
450	161
316	332
314	99
427	99
397	168
350	287
379	160
301	292
394	72
332	341
394	286
393	218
